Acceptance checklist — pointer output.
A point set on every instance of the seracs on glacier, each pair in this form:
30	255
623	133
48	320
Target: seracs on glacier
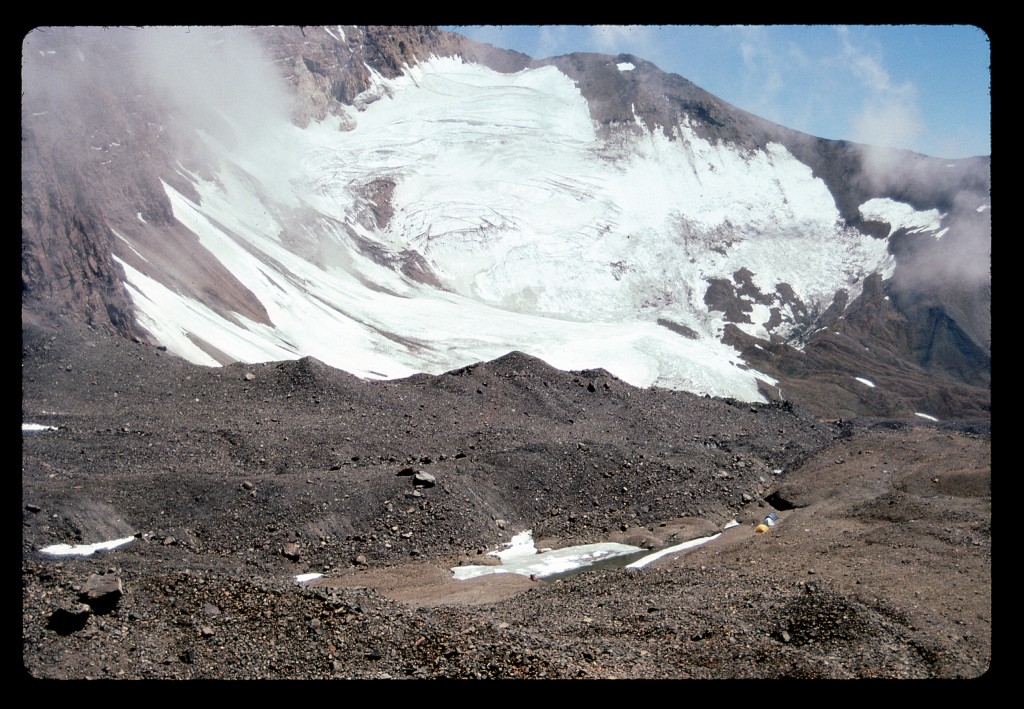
527	231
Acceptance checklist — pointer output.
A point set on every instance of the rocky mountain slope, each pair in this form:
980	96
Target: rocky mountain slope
231	482
251	359
139	201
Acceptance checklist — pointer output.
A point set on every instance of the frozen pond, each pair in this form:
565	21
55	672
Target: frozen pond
520	556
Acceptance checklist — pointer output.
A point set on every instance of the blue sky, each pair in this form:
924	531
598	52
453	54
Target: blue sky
925	88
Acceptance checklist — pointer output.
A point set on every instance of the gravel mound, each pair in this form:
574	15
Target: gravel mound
232	481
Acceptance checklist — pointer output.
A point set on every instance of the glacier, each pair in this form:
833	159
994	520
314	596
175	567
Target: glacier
527	231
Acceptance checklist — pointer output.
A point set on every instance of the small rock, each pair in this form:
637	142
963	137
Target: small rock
291	551
246	485
359	560
249	376
422	479
102	592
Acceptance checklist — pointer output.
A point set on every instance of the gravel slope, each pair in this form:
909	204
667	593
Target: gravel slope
234	480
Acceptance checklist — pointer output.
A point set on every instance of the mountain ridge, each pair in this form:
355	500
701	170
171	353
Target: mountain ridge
69	237
291	364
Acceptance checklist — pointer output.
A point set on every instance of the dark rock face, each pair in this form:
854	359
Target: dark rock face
870	341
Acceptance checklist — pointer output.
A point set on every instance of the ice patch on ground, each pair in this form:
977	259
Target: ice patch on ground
83	549
640	563
34	427
520	556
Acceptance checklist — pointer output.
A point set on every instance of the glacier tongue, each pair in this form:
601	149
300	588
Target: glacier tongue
530	233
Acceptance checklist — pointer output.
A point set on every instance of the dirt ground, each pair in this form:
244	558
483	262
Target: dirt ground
234	480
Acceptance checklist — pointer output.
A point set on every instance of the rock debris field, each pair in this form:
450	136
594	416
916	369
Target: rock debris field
226	484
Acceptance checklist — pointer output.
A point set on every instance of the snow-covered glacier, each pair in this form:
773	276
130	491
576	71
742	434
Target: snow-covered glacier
457	213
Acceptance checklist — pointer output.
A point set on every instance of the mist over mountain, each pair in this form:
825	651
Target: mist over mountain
399	200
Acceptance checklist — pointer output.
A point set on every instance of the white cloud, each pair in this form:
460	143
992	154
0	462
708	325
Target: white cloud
890	115
763	67
613	39
552	40
888	124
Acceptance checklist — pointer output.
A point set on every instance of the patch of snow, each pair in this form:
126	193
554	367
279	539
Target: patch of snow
866	382
328	31
83	549
625	66
760	315
900	215
520	556
33	427
306	578
925	416
640	563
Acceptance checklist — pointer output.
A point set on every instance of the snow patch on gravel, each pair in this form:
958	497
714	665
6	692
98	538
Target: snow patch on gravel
84	549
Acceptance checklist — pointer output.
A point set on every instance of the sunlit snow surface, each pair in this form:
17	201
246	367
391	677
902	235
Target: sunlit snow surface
543	237
667	551
36	427
84	549
520	556
900	215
